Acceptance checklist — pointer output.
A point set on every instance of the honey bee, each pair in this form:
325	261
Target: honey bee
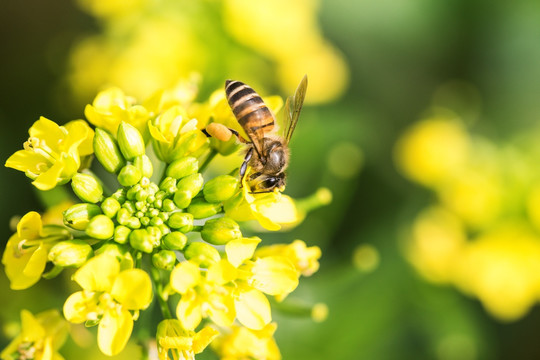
267	154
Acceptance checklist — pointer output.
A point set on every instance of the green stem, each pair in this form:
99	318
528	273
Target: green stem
211	155
164	306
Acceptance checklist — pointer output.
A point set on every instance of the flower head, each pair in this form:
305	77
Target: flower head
243	343
27	250
40	338
52	154
109	294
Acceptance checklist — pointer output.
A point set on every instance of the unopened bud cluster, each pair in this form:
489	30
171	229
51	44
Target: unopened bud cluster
149	217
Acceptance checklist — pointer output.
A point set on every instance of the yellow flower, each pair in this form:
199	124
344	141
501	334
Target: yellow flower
271	210
305	259
182	344
204	295
175	135
52	154
27	250
109	294
243	343
41	336
112	106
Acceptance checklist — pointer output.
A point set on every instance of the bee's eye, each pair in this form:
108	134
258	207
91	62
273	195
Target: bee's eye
269	183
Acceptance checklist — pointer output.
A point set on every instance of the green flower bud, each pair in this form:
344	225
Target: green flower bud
164	259
202	209
70	253
131	194
174	240
192	183
145	221
123	215
110	207
182	199
158	203
87	188
78	216
182	221
120	195
130	207
144	164
220	188
155	234
121	234
202	253
156	221
220	231
107	151
100	227
153	212
141	240
141	195
164	229
130	141
163	216
168	205
168	186
133	223
183	167
140	205
129	175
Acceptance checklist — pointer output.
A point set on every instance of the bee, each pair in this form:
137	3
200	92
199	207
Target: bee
267	154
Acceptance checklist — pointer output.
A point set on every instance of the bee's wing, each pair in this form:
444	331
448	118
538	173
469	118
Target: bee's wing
292	108
256	135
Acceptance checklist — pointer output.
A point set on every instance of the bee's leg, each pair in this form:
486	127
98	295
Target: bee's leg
243	168
223	129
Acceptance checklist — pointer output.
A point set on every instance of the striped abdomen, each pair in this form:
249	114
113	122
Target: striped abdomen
249	109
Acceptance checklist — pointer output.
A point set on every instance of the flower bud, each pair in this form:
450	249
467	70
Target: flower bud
182	221
220	231
120	195
107	151
130	141
174	241
192	183
155	234
202	253
123	215
86	188
70	253
183	167
100	227
133	223
220	188
168	185
129	175
164	259
121	234
168	205
141	240
144	164
201	209
78	216
182	199
110	206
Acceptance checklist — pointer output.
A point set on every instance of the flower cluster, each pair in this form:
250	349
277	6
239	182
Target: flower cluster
482	234
164	231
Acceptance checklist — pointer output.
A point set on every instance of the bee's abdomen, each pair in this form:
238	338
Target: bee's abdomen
248	107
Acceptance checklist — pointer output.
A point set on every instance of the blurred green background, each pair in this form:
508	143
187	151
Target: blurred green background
381	66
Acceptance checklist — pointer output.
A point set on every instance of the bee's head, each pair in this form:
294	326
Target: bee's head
268	183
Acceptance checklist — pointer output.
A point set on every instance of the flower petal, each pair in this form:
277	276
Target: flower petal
50	178
133	289
80	306
188	311
252	309
239	250
114	331
185	276
98	274
274	275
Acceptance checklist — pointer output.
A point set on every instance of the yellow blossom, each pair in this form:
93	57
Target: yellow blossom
27	250
52	154
180	343
109	294
40	338
174	135
243	343
305	259
271	210
112	106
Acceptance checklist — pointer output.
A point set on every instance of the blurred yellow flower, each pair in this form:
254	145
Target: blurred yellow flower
109	294
27	250
52	154
305	259
40	338
432	150
243	343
